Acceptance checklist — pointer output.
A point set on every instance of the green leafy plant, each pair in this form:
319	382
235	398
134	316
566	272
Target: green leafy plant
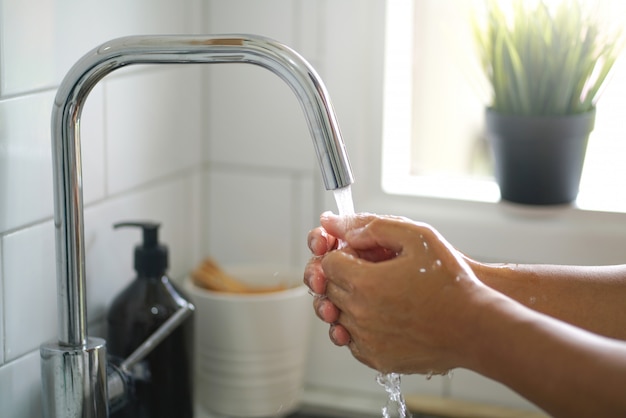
544	59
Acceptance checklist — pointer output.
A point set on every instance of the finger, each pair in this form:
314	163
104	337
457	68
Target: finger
397	235
339	335
375	254
314	276
320	242
378	233
338	225
340	269
325	310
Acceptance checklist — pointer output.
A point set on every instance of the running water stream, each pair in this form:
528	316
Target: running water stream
390	381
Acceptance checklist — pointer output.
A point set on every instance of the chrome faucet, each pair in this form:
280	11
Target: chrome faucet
76	379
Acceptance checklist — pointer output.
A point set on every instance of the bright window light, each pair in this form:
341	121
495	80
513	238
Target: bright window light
434	99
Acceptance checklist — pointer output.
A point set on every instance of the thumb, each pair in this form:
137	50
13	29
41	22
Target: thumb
396	235
339	225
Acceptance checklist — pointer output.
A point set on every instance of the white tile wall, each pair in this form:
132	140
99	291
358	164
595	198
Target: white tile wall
41	39
271	205
274	18
20	387
158	125
30	286
142	140
267	121
26	184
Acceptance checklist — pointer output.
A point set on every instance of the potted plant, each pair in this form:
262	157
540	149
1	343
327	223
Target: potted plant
545	64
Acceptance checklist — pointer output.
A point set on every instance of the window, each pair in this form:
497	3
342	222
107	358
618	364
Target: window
434	102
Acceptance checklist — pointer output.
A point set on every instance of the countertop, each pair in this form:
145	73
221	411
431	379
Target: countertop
347	404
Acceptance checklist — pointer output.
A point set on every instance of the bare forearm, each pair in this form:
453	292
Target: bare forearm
564	370
593	298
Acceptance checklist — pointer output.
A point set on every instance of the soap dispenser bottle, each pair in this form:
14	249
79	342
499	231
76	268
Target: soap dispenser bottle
161	383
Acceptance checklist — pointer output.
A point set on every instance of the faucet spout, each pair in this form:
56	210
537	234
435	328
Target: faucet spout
75	359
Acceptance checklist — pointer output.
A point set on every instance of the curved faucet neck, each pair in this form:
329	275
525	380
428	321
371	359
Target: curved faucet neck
87	72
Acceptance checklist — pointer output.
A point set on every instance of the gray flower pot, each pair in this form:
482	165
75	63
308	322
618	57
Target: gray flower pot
539	159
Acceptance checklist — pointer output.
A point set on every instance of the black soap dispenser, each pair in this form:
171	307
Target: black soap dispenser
161	383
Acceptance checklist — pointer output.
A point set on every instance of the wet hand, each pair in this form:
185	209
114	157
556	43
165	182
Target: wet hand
401	293
320	242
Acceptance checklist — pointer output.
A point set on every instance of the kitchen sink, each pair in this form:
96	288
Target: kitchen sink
314	412
310	412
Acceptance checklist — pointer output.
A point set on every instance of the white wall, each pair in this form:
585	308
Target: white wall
220	155
142	139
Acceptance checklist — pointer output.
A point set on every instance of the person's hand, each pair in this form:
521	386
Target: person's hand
403	295
320	242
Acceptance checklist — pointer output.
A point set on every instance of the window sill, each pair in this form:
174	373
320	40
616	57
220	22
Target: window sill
474	219
486	191
442	188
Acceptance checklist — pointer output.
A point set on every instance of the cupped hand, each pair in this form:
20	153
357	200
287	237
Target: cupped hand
322	240
398	294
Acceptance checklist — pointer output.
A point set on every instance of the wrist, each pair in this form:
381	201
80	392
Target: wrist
504	278
484	272
495	317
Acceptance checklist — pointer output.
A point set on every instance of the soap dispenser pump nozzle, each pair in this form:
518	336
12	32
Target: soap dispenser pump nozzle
151	258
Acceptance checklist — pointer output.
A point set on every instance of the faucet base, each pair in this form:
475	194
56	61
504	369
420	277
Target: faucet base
74	377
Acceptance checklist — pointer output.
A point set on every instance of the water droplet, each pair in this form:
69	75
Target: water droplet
432	373
422	270
532	300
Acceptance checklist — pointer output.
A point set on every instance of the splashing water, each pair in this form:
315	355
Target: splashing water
391	381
